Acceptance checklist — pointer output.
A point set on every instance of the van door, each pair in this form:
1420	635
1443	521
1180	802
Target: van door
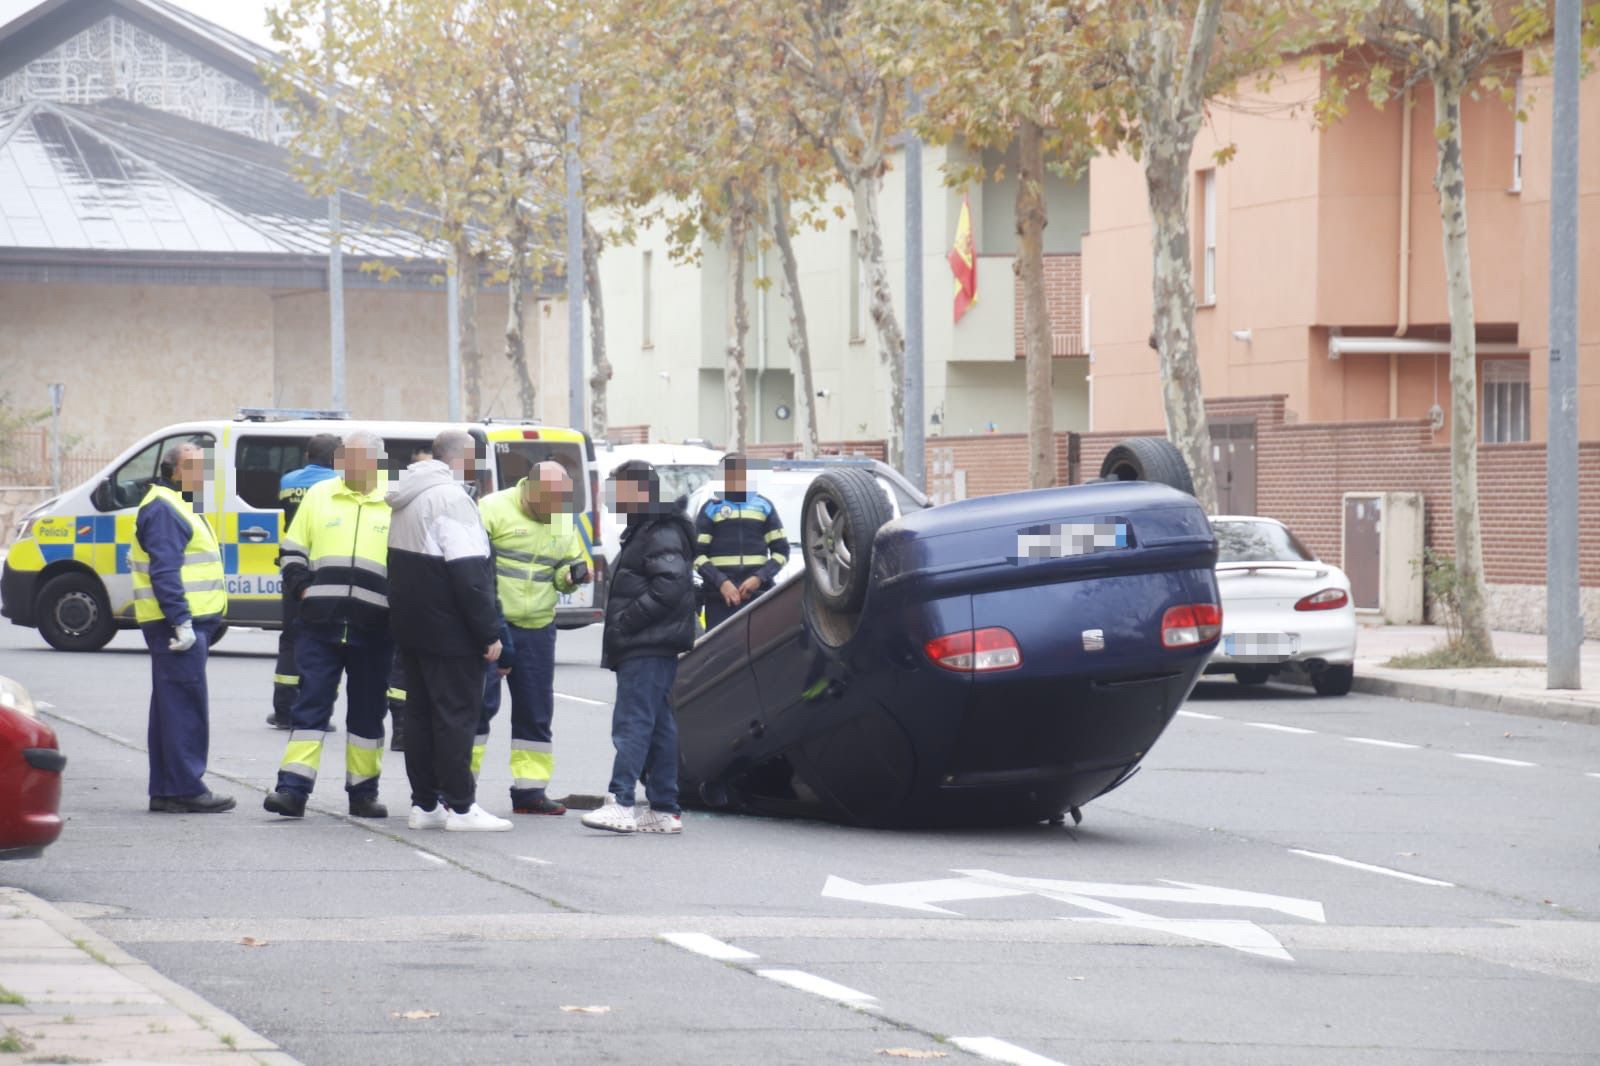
252	527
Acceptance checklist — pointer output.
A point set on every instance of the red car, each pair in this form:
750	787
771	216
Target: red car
30	776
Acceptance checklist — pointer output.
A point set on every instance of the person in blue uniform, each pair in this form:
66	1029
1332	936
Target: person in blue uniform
740	544
291	490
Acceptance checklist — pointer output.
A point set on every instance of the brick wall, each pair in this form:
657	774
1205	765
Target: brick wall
628	434
1063	286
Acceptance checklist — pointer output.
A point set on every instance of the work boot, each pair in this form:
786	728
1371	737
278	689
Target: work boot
539	804
277	721
367	807
204	803
288	804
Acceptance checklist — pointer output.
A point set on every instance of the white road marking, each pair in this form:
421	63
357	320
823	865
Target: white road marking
1354	865
1280	728
997	1050
1591	775
1494	759
584	699
430	858
819	986
919	895
1381	743
536	862
1182	714
709	946
45	705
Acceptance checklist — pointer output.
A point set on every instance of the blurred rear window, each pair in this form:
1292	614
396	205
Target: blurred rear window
1258	542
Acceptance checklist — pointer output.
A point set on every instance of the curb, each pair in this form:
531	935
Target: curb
218	1021
1470	699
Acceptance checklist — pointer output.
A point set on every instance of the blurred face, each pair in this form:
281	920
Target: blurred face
190	475
358	463
547	491
633	496
735	477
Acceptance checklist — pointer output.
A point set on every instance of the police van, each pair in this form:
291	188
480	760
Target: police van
67	571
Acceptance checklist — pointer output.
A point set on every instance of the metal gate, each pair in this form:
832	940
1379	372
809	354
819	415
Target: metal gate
1233	460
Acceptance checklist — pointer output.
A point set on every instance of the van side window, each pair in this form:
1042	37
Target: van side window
128	484
260	463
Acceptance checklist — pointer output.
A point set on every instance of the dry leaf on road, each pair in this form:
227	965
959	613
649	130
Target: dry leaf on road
252	942
912	1053
414	1015
587	1010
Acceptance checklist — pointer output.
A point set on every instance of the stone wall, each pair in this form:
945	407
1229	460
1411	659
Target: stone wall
14	503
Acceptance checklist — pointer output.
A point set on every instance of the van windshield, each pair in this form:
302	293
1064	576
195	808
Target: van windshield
515	458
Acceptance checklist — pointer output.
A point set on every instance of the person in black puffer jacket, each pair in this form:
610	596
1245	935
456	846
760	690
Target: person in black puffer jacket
650	609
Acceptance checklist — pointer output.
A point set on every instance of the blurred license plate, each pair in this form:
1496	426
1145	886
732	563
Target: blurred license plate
1064	540
1260	645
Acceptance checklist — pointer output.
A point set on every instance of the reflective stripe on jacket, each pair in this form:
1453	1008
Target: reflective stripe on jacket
336	552
532	559
200	570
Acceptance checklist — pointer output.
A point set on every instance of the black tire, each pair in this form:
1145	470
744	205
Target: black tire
216	638
1148	459
1334	680
838	551
73	613
1251	676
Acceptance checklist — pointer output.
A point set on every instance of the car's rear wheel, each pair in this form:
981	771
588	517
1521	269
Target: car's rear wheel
1334	680
1251	676
1148	459
74	615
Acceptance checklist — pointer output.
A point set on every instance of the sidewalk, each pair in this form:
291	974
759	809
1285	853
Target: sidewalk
69	995
1518	690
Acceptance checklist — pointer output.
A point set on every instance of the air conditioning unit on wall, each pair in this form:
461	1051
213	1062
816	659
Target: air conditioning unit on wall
1381	545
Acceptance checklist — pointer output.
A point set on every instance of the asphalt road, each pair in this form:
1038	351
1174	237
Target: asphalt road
1215	910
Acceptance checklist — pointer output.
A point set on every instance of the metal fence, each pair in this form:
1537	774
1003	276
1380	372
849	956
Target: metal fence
25	460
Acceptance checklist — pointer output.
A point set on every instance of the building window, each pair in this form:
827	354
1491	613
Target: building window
647	301
858	293
1208	237
1505	401
1516	143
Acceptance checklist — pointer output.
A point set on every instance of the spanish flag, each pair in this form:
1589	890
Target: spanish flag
964	261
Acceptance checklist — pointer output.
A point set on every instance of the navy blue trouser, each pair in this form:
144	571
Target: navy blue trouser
180	717
531	655
323	653
645	733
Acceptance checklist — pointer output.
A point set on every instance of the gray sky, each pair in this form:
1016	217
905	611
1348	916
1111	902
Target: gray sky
244	17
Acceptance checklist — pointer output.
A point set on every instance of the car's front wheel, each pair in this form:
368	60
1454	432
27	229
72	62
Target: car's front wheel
1334	680
74	615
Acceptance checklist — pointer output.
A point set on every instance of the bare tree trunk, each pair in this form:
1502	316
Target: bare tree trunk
1032	218
469	273
516	347
1171	99
891	342
738	326
1452	187
799	341
598	419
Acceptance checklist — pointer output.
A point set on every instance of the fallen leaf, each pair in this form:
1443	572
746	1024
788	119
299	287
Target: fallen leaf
587	1010
252	942
911	1053
414	1015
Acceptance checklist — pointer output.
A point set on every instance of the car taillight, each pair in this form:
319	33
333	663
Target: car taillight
1326	600
1191	624
975	651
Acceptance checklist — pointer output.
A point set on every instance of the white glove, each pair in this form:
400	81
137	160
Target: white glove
183	638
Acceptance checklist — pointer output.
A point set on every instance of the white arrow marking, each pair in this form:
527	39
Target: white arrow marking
1209	895
920	895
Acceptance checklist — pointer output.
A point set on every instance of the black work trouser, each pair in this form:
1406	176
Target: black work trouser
444	696
717	610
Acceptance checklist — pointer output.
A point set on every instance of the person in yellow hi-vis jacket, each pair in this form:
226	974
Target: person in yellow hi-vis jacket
334	560
538	555
179	596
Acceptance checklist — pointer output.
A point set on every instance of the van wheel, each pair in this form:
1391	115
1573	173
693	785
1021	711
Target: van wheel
216	638
1148	459
74	615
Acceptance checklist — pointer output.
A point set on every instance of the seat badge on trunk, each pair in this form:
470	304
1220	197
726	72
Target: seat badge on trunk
1094	640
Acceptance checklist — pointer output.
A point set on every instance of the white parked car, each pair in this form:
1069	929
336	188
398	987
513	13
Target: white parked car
682	468
1282	608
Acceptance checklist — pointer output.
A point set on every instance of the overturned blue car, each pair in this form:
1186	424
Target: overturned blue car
991	661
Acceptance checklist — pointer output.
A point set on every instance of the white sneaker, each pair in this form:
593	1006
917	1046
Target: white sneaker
613	817
657	822
477	820
434	819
